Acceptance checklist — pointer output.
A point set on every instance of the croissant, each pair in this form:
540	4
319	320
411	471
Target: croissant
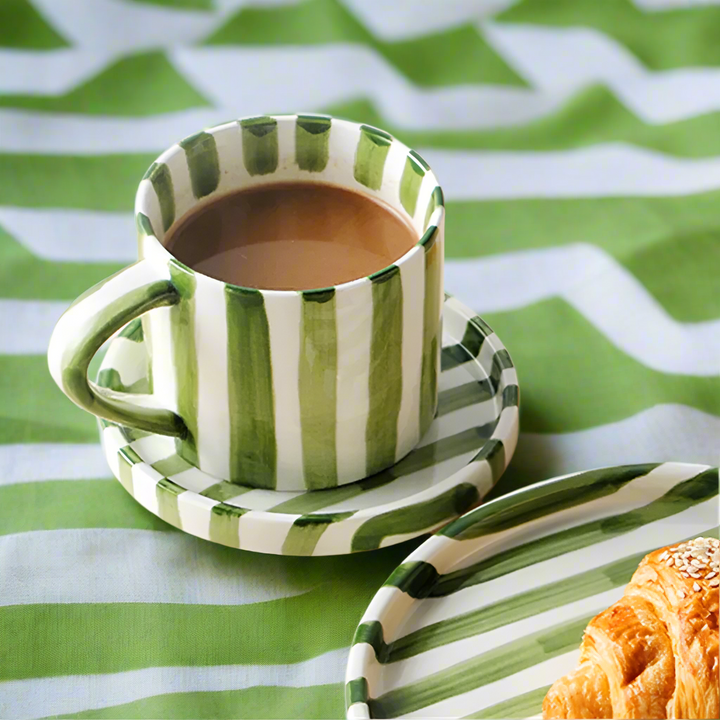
654	653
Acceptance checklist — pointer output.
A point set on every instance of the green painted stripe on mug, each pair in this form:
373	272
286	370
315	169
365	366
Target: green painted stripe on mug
182	328
166	492
372	634
253	445
306	531
415	578
385	381
691	492
224	490
494	453
419	516
356	691
429	237
432	341
370	156
518	607
317	383
225	524
133	331
161	179
483	669
172	465
203	163
420	160
528	704
144	226
437	199
127	457
110	378
410	183
260	145
312	142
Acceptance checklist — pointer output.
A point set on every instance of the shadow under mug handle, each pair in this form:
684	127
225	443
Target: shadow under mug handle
91	320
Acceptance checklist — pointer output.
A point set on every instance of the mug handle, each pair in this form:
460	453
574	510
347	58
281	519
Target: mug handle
88	323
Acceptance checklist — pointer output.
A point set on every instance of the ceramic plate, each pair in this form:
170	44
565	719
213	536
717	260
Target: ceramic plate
483	617
458	461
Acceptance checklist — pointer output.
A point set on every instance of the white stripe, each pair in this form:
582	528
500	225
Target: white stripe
50	461
26	325
25	699
285	326
566	60
602	290
66	235
663	433
102	565
353	311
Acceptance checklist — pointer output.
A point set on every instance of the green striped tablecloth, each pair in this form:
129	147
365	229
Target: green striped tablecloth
578	142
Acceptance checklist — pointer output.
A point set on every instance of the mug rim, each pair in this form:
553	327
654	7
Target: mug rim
435	220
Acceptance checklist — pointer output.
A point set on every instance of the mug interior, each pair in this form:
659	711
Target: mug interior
288	148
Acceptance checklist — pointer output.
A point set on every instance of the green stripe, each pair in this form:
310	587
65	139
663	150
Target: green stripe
317	379
54	505
26	277
370	156
306	531
312	142
416	578
161	179
182	327
22	26
410	183
385	381
224	490
318	702
110	378
449	57
171	465
260	145
685	495
518	607
372	634
526	705
225	524
167	493
356	691
432	337
203	163
419	516
253	447
118	90
481	670
127	458
651	36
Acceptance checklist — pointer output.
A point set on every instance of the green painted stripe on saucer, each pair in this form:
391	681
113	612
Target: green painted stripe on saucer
260	145
225	524
306	531
161	179
172	465
317	387
469	347
166	492
385	381
182	328
493	452
372	633
127	458
537	502
410	183
203	163
682	496
432	341
370	156
464	395
419	516
518	607
528	704
224	490
481	670
356	691
253	445
416	578
312	142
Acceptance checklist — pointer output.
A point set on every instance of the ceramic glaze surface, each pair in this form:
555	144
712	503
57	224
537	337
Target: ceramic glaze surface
279	390
483	617
459	459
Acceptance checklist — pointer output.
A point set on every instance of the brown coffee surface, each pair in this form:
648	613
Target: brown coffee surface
291	236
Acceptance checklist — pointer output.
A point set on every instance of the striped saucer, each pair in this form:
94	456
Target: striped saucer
457	462
483	617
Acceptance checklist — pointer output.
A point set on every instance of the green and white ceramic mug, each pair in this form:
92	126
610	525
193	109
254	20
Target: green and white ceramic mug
274	389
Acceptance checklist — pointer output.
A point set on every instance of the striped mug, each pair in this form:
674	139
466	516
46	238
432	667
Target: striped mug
276	389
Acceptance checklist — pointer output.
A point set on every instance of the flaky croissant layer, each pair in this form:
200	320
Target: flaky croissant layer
654	653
